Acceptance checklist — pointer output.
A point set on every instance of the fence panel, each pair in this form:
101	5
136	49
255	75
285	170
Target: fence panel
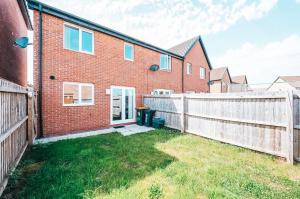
13	127
262	122
166	107
297	121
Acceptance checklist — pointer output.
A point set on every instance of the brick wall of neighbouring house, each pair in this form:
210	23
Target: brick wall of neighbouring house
13	60
192	82
105	68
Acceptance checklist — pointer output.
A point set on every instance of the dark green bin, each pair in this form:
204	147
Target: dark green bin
140	115
158	122
148	117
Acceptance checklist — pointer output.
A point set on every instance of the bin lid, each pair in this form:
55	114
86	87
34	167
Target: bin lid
142	108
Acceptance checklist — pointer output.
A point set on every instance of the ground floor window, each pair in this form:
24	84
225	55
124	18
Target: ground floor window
162	92
78	94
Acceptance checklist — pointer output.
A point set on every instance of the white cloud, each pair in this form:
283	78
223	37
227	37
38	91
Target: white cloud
166	23
297	1
262	64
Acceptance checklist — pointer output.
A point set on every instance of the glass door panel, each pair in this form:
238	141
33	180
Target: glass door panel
116	104
129	104
122	104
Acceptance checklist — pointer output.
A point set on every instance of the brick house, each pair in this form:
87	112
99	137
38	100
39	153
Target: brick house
239	84
92	77
285	83
220	79
14	23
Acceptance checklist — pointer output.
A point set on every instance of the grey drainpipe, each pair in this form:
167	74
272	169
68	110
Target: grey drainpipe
40	69
182	76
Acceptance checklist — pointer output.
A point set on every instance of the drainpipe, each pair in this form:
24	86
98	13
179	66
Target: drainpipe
40	68
182	77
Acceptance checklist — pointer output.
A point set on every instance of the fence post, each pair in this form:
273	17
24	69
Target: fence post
182	118
30	130
290	126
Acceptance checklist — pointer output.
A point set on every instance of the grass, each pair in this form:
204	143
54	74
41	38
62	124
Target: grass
160	164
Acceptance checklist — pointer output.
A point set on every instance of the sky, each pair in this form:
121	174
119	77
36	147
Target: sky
258	38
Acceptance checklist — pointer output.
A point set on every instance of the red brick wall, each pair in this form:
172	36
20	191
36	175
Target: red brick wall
105	68
193	82
13	60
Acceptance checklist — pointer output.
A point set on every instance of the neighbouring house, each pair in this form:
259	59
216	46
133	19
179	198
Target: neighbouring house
284	83
219	80
91	77
238	84
196	65
14	23
241	79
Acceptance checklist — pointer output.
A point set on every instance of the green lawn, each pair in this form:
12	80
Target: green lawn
159	164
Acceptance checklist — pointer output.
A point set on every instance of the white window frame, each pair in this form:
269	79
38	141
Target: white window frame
132	55
169	58
163	91
202	76
79	93
80	38
188	68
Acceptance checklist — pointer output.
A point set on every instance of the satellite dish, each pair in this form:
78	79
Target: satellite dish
22	42
211	82
154	67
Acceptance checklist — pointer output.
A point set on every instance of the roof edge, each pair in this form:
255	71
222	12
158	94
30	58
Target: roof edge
25	14
34	5
228	74
187	52
205	53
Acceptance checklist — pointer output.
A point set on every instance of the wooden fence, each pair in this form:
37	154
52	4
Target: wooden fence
263	122
297	122
13	127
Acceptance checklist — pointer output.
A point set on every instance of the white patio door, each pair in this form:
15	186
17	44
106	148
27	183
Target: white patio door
122	104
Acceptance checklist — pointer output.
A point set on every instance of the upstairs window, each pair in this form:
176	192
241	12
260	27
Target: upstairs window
78	39
188	68
165	62
87	42
71	38
202	73
128	52
78	94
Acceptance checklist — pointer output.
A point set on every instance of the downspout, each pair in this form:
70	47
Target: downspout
40	69
182	76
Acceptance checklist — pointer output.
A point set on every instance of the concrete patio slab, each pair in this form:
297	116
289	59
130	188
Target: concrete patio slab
125	131
73	136
133	129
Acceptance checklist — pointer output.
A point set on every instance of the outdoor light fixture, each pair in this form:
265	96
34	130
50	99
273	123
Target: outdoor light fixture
154	67
22	42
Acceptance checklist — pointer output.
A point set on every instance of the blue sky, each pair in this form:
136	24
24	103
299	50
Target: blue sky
281	21
259	38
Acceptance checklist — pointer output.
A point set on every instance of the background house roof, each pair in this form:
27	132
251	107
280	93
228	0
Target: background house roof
239	79
291	80
218	73
184	48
